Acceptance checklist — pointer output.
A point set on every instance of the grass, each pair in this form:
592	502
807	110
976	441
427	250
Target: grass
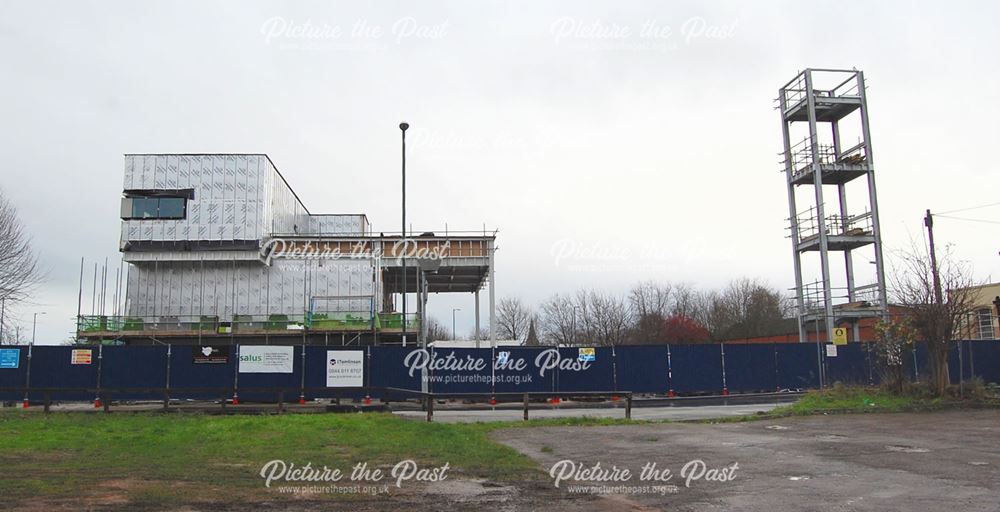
191	458
854	400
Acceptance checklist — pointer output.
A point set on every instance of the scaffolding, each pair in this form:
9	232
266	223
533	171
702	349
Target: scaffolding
820	109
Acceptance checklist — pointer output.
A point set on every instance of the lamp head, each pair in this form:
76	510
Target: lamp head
403	126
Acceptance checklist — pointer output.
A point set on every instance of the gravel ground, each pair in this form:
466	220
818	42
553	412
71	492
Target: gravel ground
947	461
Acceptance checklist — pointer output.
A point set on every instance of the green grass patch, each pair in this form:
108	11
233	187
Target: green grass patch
192	458
854	400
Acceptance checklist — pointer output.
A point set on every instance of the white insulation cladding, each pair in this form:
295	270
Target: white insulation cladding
192	228
235	197
227	288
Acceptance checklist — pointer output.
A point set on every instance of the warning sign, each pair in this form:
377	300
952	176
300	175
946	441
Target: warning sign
840	336
81	356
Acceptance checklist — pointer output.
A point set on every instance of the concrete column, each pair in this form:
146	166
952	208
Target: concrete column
476	335
493	309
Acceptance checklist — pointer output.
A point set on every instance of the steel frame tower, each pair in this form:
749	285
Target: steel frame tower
821	161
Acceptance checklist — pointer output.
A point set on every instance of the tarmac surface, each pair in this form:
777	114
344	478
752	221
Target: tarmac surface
940	461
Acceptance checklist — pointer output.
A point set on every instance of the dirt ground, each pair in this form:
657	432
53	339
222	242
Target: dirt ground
947	461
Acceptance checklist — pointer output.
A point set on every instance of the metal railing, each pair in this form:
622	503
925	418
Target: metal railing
801	155
795	91
525	398
229	396
813	294
835	225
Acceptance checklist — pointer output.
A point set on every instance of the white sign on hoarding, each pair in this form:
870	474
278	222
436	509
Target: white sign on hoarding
345	368
266	359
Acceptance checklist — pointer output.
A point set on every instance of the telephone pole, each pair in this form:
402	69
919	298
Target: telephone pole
939	297
929	222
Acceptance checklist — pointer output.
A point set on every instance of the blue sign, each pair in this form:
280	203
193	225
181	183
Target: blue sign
10	357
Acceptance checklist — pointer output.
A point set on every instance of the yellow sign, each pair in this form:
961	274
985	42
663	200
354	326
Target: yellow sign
840	336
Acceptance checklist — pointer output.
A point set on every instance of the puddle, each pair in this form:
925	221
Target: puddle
777	427
831	437
979	463
906	449
798	478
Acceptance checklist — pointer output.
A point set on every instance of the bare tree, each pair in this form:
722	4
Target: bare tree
19	269
11	330
482	335
650	298
650	303
513	318
436	331
687	301
557	320
937	316
609	317
893	338
746	308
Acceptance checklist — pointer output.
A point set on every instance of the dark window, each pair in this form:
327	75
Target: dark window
171	208
144	207
155	205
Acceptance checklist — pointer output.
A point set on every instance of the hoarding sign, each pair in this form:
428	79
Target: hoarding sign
831	351
81	356
266	359
587	355
10	357
345	368
840	336
210	355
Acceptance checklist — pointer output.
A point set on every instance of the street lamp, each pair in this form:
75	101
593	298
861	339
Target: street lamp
403	127
453	335
34	321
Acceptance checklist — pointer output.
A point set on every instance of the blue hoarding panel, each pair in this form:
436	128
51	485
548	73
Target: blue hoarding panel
697	368
642	369
751	368
850	366
984	360
66	367
797	366
12	375
186	373
134	367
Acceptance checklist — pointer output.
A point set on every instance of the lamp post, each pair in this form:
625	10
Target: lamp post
27	376
403	127
34	321
453	335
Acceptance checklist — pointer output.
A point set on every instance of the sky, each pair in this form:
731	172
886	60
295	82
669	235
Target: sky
608	142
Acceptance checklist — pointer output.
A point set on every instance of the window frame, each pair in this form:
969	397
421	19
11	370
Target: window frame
144	196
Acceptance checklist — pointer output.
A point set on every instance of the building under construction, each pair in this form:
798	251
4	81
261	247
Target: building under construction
828	154
218	248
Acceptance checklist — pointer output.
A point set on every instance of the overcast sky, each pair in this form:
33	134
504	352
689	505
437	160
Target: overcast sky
642	132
